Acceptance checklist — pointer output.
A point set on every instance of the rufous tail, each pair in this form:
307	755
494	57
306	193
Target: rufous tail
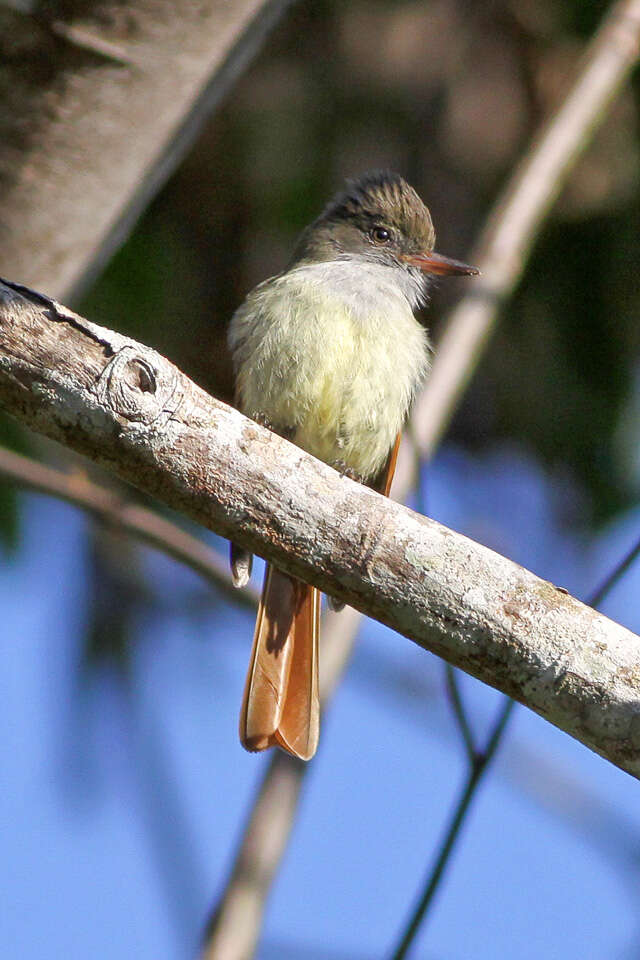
281	706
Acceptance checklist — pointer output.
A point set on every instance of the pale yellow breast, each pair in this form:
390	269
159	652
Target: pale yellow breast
331	374
337	370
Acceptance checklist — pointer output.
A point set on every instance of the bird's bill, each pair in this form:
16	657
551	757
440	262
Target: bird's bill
440	266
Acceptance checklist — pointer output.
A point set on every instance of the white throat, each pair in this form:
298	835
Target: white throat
363	283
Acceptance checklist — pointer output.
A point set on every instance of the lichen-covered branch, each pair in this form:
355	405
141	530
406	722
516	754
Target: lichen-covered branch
134	412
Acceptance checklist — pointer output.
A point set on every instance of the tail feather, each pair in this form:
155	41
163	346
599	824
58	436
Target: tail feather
299	726
281	705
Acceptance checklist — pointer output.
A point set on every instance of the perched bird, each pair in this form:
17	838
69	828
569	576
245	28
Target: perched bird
329	355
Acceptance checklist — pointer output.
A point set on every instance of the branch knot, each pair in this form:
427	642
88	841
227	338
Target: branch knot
136	388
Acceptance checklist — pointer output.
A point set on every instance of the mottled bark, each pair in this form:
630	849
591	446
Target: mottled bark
131	410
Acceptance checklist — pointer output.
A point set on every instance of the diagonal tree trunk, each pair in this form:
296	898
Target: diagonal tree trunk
99	101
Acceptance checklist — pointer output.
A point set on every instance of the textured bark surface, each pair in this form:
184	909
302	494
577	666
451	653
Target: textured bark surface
91	96
132	411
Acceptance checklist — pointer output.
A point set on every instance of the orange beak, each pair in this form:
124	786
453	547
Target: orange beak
440	266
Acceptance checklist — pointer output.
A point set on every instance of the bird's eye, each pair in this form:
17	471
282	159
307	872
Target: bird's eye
380	235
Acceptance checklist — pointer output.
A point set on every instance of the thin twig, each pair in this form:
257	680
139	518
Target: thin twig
144	524
478	763
477	767
598	595
460	713
503	249
451	674
233	927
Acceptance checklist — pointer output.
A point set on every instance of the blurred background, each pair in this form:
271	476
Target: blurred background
125	789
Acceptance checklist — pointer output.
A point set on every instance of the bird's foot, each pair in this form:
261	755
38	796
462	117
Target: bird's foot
263	420
346	471
287	433
241	563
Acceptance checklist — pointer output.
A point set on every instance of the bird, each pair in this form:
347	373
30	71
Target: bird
329	354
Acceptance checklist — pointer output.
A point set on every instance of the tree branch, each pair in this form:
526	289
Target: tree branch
234	924
100	107
129	409
137	521
478	761
504	246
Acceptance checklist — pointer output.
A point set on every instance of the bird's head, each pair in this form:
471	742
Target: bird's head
381	219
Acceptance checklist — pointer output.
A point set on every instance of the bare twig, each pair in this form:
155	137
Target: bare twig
234	925
147	525
610	581
502	256
504	246
478	760
460	712
477	767
239	910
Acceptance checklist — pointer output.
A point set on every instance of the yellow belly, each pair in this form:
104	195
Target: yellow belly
338	382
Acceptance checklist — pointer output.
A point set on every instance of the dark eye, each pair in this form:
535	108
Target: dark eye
380	235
